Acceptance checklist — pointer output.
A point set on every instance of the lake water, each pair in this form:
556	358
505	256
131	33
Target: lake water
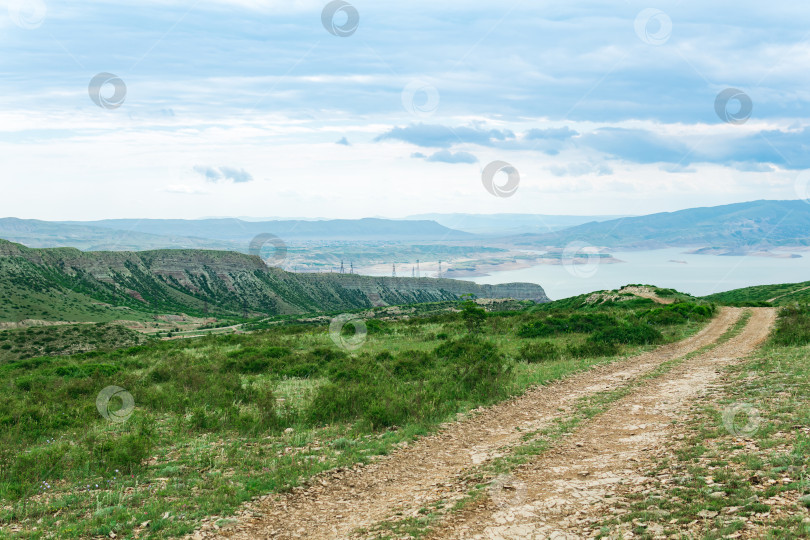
701	275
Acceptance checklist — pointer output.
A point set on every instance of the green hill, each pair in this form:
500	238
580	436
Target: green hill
778	295
68	284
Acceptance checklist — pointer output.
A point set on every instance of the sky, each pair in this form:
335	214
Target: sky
268	108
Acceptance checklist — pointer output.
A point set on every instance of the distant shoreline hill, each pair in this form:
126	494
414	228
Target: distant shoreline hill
736	228
52	284
225	234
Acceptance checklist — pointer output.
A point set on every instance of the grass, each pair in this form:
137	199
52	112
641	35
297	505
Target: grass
222	419
782	294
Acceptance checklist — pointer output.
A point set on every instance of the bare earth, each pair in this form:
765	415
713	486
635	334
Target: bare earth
646	292
339	503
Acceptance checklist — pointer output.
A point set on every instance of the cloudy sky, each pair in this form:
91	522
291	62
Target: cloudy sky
112	109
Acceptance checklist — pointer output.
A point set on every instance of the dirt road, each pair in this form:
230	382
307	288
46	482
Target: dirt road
339	504
569	489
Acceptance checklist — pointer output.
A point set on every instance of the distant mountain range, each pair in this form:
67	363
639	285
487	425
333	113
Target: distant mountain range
68	284
236	230
219	234
737	228
500	224
742	227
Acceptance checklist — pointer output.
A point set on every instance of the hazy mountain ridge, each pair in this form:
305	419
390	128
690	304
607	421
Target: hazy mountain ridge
752	225
509	223
45	283
756	225
229	229
35	233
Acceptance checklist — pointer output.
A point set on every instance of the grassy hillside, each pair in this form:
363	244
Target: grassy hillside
64	340
218	420
752	225
779	295
67	284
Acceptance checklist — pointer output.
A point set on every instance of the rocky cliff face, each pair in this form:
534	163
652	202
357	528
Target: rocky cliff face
197	280
440	289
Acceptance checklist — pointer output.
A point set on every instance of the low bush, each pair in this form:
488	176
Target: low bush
539	352
593	349
574	323
628	334
679	313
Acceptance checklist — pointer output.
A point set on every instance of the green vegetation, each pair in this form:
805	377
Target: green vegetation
65	339
69	285
220	419
764	295
793	326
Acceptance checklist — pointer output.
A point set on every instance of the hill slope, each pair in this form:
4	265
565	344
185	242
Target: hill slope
757	225
778	295
65	283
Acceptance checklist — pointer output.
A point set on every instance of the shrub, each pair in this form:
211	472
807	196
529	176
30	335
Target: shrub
678	313
539	352
475	364
593	349
472	315
376	326
577	322
628	334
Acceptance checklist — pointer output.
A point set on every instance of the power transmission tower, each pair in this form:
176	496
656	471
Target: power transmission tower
341	267
417	269
440	270
351	267
394	270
